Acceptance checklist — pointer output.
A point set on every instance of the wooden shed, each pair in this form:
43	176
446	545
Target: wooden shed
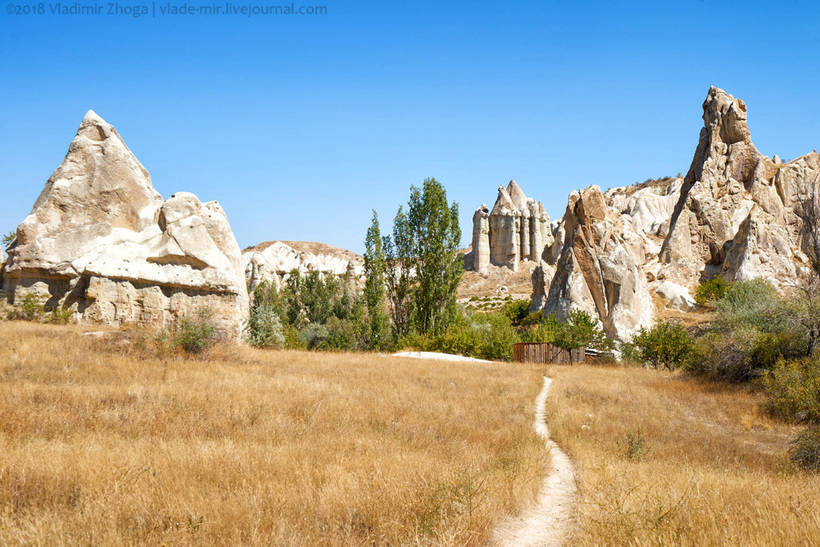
542	352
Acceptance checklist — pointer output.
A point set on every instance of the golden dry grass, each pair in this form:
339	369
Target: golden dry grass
106	446
712	469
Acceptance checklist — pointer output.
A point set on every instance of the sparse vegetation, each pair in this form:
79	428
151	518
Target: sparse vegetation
8	239
28	308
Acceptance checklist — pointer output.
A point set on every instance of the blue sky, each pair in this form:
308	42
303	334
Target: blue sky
300	125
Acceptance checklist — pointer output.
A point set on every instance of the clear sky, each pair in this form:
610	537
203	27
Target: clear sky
300	125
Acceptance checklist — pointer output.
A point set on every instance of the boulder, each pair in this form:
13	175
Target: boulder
675	296
101	239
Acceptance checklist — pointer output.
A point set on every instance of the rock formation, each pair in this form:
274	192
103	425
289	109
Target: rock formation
516	229
100	239
273	261
737	213
600	267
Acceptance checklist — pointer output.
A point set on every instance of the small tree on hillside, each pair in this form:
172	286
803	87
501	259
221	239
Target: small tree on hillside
8	239
374	286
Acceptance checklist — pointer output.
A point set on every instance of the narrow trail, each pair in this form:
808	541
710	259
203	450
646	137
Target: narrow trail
548	522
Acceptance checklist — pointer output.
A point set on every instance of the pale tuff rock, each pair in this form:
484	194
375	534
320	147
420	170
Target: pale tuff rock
100	238
541	277
516	229
737	213
273	261
675	296
481	239
599	269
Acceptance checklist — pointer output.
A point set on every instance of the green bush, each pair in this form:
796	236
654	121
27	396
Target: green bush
664	345
750	304
516	311
793	389
581	331
264	329
805	449
191	334
342	335
754	327
61	315
196	334
711	291
482	335
313	335
30	308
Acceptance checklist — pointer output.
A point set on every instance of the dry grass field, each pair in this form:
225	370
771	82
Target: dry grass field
107	443
664	460
108	446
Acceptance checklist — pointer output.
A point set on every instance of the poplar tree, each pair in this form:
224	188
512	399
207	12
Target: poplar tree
375	263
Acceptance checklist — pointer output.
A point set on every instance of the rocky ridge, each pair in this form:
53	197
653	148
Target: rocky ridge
737	213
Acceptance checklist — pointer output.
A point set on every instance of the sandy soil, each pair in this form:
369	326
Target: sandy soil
438	356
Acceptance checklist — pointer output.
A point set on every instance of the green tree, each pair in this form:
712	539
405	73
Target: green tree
435	236
581	331
374	286
399	274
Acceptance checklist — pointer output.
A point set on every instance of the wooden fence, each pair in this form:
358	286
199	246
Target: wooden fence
541	352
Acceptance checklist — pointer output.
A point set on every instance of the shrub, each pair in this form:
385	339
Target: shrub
293	338
191	334
342	334
30	308
711	291
755	327
516	310
481	335
805	449
498	337
264	329
196	334
750	304
533	318
793	389
635	446
313	335
581	331
664	345
61	315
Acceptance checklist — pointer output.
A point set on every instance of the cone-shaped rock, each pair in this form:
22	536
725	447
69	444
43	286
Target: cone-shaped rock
101	240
